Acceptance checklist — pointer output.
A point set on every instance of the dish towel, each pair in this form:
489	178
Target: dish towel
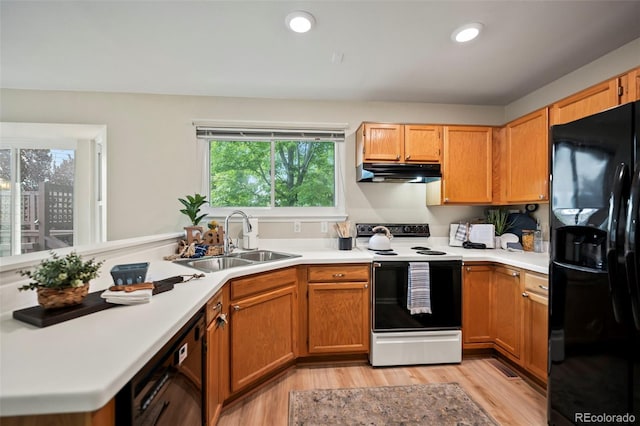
419	291
127	298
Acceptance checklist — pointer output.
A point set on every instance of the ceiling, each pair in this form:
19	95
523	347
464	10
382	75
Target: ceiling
391	50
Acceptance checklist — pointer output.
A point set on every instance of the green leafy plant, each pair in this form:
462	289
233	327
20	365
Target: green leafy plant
192	205
61	272
499	219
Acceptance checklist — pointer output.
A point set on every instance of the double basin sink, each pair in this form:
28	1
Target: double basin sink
218	263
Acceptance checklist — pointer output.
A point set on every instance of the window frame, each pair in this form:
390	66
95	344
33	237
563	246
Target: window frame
279	214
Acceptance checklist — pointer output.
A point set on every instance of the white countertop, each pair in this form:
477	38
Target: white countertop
79	365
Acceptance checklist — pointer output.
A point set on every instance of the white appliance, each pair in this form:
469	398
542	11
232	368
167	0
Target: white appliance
399	337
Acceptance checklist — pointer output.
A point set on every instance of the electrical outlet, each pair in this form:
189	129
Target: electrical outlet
324	227
297	227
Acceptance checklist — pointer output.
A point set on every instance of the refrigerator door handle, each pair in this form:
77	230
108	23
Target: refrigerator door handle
616	199
630	249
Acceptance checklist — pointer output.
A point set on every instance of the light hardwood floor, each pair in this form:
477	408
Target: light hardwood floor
510	401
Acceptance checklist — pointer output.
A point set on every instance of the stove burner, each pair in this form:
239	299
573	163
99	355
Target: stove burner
420	248
387	253
431	252
379	250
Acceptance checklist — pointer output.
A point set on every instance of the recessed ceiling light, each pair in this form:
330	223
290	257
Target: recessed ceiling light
466	32
300	21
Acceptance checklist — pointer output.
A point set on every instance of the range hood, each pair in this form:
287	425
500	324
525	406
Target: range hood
385	172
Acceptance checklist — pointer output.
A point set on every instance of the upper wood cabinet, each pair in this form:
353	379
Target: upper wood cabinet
630	86
525	159
379	142
587	102
422	143
398	143
467	167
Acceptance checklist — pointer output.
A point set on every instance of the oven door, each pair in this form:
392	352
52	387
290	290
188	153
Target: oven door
389	297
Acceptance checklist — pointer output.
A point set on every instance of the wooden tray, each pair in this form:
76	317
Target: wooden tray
38	316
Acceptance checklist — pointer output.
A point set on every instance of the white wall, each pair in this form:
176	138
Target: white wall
153	160
616	62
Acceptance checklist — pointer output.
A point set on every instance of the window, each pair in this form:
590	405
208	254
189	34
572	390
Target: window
274	172
51	187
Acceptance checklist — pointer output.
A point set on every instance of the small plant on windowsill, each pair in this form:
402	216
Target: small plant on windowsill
61	281
192	205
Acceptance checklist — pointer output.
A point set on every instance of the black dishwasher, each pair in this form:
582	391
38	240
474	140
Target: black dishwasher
168	390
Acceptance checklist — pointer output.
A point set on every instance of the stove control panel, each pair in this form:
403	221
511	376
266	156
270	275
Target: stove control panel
396	229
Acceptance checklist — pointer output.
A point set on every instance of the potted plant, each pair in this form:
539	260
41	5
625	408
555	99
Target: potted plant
192	204
61	281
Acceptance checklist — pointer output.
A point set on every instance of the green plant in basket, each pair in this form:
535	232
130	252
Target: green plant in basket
61	272
192	205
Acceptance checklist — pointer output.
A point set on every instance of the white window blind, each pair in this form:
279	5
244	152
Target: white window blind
266	134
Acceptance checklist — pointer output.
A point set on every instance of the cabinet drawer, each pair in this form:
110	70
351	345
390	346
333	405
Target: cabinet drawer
259	283
214	307
332	273
535	283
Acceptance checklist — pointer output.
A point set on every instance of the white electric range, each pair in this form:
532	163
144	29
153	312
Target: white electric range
416	299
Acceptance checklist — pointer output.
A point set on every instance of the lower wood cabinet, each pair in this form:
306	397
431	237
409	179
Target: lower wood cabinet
477	306
536	319
216	314
507	309
338	309
263	326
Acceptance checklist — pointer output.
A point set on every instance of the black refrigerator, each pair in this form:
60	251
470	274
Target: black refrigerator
594	309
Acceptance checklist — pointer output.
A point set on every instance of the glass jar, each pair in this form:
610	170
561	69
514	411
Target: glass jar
527	239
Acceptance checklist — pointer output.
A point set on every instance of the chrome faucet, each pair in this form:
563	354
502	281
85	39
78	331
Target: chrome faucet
227	238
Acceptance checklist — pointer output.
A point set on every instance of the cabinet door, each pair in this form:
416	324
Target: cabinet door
383	142
216	327
631	86
467	165
527	164
477	305
588	102
535	334
262	335
339	317
508	309
422	144
213	394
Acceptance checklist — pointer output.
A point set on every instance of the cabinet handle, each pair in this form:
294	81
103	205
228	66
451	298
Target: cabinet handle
446	200
338	275
218	307
408	156
366	286
468	269
515	274
525	294
544	287
541	196
397	157
236	307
